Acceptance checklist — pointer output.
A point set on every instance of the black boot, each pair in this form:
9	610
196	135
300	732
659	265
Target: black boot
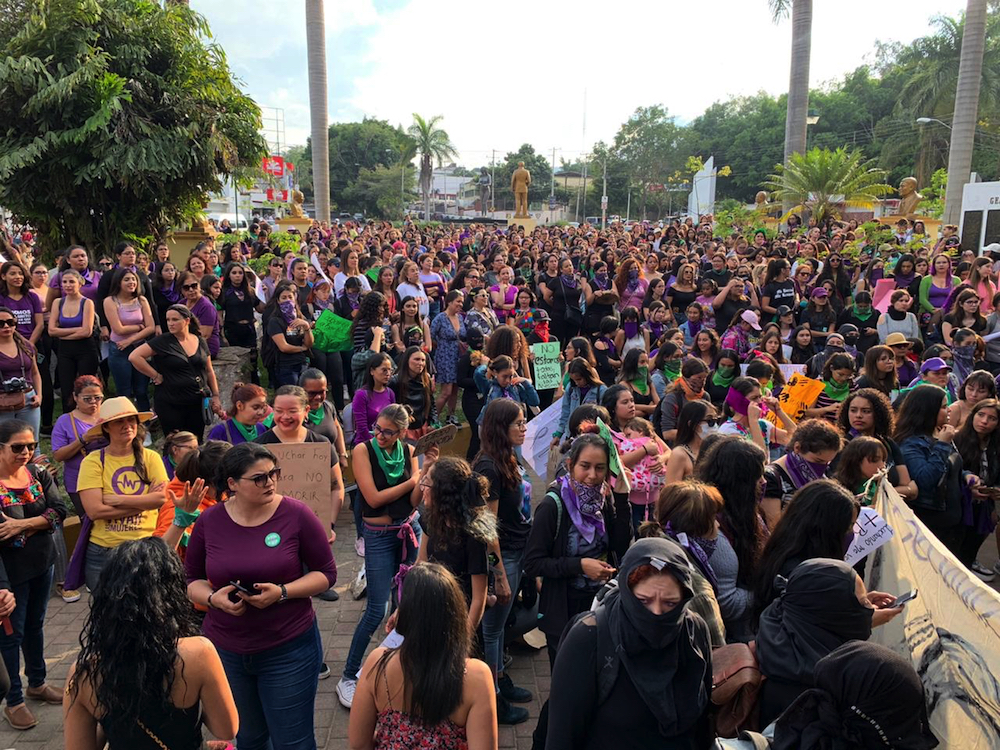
508	714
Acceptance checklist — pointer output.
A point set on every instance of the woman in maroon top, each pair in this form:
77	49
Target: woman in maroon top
19	372
244	562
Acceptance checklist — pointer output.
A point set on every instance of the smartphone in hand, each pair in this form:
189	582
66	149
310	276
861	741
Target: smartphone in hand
901	600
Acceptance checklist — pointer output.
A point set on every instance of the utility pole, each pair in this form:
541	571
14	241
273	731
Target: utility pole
628	204
552	192
493	178
604	196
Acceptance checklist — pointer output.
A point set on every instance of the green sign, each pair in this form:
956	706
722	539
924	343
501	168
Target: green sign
548	372
332	333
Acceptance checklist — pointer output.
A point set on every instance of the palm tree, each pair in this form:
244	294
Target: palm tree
798	79
433	145
820	180
316	56
963	125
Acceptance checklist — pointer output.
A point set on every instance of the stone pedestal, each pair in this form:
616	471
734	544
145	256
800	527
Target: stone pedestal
527	222
303	224
232	365
182	243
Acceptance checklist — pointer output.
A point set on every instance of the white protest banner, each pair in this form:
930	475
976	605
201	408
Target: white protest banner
538	438
870	532
305	475
950	632
548	373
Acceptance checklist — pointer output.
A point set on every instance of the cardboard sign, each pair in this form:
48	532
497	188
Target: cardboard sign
305	475
870	532
439	436
799	394
332	333
548	373
536	450
883	293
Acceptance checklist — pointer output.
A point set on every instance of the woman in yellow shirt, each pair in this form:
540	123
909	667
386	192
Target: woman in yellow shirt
121	486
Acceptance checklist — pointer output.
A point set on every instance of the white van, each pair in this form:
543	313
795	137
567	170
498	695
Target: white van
980	222
236	221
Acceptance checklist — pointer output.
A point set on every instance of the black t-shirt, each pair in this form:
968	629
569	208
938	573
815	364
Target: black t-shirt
327	428
235	309
727	311
275	325
679	300
778	484
513	526
183	376
467	559
780	293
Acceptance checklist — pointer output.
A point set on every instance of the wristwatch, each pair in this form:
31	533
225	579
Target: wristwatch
284	592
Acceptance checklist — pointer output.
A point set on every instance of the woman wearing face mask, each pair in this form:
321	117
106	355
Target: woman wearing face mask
630	285
725	370
659	650
817	522
863	316
575	551
695	422
631	335
635	377
963	350
566	314
686	515
249	406
690	386
736	469
601	298
838	372
743	410
287	336
823	606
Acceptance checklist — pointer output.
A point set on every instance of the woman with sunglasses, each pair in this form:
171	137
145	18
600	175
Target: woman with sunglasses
19	373
31	511
481	317
388	478
203	310
245	563
275	274
68	444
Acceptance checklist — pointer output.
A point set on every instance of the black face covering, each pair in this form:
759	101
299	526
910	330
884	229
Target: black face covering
666	656
818	612
865	696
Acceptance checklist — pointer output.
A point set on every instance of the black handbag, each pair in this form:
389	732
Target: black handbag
574	315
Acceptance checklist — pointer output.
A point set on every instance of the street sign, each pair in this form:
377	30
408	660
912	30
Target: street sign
604	201
274	166
278	196
552	203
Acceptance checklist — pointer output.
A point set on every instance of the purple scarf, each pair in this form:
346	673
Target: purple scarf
568	281
800	471
584	505
631	329
702	549
288	310
171	294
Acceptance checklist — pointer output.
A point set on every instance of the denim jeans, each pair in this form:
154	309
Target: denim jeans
93	564
32	416
285	375
275	692
128	380
495	617
383	555
28	621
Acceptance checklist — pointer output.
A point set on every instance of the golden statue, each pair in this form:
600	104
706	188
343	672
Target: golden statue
519	182
295	211
908	196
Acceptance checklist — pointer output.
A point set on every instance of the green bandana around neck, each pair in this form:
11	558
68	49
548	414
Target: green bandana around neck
249	432
392	466
838	392
672	367
723	376
315	417
865	317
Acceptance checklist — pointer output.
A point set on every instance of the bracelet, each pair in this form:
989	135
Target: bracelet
284	592
209	601
183	518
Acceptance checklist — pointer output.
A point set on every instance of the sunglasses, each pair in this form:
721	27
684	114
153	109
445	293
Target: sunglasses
8	323
262	480
312	394
386	433
17	448
186	287
91	399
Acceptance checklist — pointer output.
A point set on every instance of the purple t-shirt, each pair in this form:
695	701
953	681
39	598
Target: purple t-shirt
19	366
91	280
365	407
220	551
206	315
62	435
24	310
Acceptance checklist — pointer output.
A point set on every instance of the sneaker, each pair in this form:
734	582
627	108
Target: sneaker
359	586
996	567
324	671
453	420
68	595
508	714
511	692
345	692
329	596
982	572
359	546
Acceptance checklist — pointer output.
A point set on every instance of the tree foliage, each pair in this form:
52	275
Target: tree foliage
541	177
433	145
120	116
377	192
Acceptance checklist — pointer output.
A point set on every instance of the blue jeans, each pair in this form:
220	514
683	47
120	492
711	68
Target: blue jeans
284	375
32	416
97	557
129	381
28	621
383	555
495	617
275	692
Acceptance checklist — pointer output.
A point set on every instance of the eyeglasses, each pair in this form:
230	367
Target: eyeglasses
91	399
312	394
262	480
389	434
8	323
17	448
521	424
187	287
425	485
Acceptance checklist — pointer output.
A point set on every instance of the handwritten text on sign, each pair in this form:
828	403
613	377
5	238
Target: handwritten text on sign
870	532
548	373
305	475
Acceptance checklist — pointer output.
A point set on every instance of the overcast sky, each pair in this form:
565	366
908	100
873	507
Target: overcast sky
506	73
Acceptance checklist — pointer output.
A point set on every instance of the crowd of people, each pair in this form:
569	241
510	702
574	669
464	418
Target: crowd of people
690	511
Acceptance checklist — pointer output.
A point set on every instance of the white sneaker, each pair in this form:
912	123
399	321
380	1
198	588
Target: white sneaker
359	547
345	692
982	572
360	584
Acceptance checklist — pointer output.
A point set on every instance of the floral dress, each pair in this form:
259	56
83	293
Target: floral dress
446	349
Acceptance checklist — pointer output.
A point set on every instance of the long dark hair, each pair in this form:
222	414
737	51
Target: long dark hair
494	436
128	645
862	447
369	311
458	505
403	378
25	285
119	277
610	402
918	413
886	383
814	524
23	346
692	414
735	467
967	442
883	418
138	451
432	612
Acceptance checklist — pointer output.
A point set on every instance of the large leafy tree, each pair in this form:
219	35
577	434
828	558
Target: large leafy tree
120	116
383	192
541	177
819	181
433	145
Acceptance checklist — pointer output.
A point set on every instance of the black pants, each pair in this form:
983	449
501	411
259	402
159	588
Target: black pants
332	365
173	415
76	357
44	350
564	330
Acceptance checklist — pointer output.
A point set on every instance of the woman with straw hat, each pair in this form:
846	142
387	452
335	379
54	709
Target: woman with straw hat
121	486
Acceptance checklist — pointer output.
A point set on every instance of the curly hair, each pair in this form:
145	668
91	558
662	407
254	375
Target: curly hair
458	505
883	417
128	645
369	311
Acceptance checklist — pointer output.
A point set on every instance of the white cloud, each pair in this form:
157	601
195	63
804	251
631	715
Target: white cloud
504	74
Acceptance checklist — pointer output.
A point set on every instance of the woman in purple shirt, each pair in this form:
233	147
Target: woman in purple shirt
244	562
16	296
202	308
77	259
68	444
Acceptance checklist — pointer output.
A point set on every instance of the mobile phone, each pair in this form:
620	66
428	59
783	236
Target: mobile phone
901	600
248	591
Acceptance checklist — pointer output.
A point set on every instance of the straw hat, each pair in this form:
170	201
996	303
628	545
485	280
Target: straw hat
114	409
